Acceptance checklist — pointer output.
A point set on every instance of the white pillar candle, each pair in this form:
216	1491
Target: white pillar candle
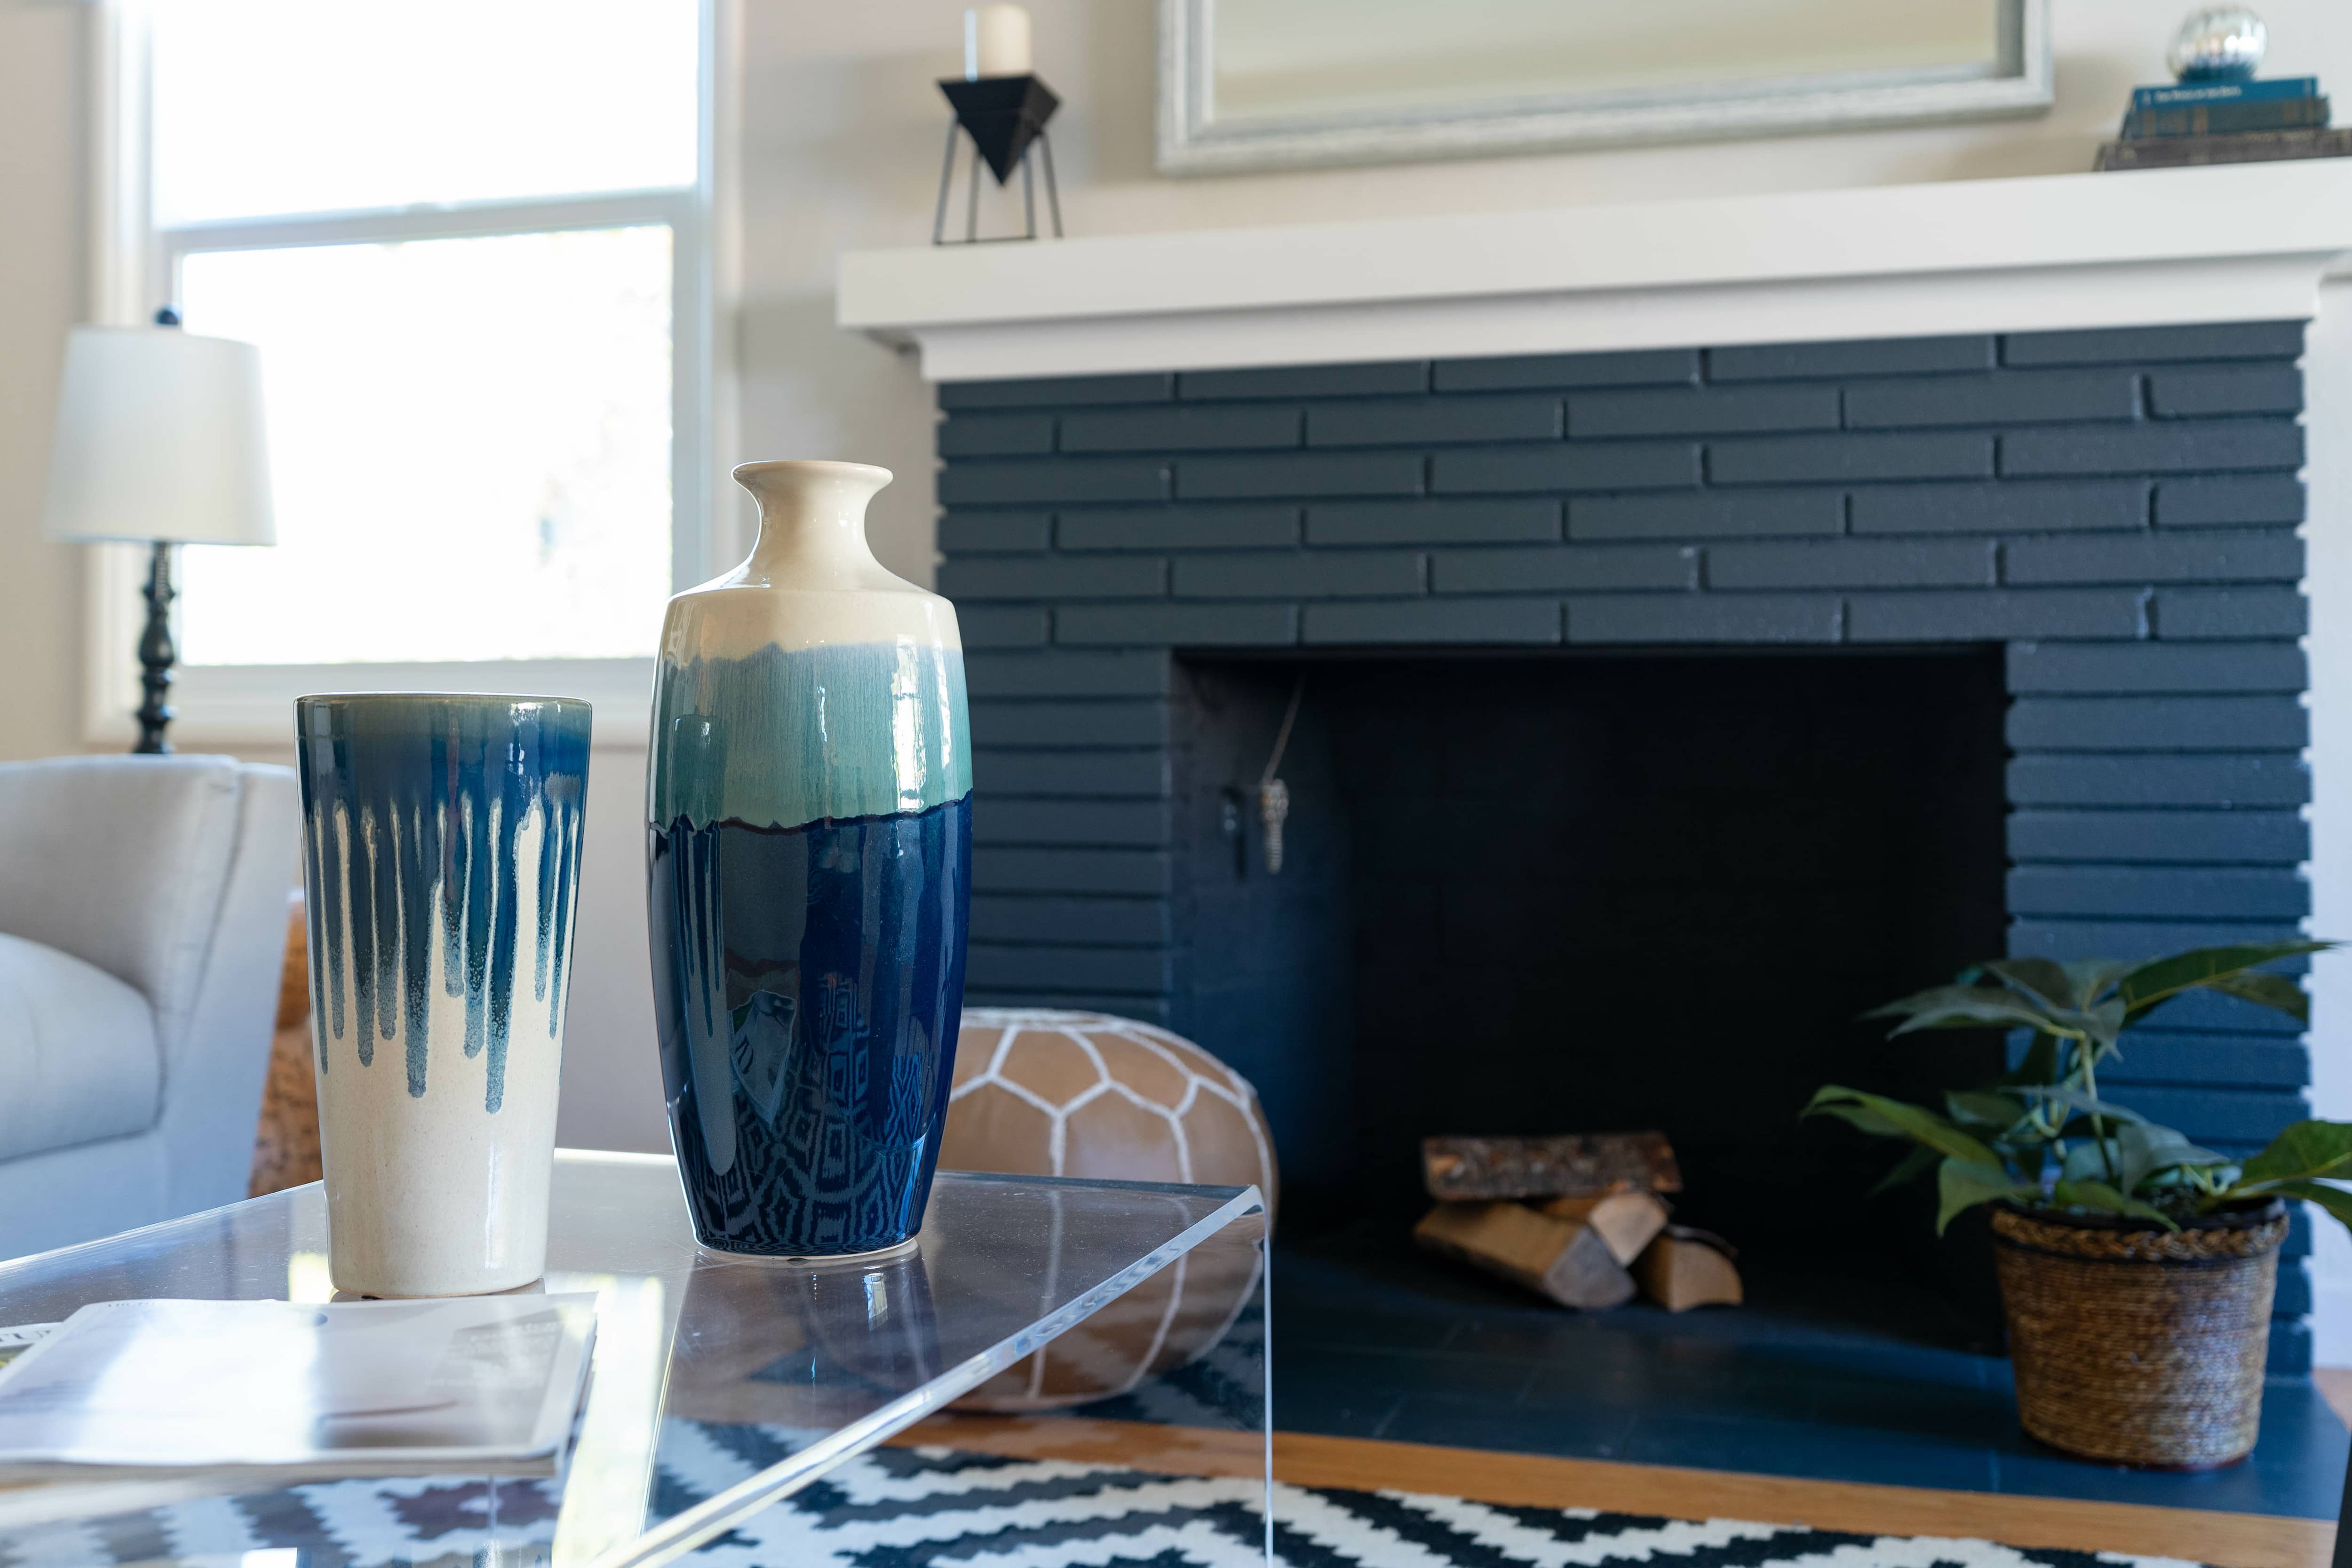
995	42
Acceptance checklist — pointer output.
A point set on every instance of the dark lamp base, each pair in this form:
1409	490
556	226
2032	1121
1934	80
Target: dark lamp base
155	656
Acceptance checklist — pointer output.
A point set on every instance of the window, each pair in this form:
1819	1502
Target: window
468	237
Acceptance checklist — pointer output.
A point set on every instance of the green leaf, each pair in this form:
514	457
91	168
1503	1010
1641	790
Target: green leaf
2089	1160
1962	1007
2334	1199
1921	1126
2089	977
2182	1178
1826	1102
2104	1023
1963	1184
1830	1098
1914	1163
2163	979
2100	1195
2075	1099
2042	1063
2039	978
1983	1108
2142	1149
2276	991
2304	1150
1857	1116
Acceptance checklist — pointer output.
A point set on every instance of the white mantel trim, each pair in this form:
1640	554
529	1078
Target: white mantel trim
2244	243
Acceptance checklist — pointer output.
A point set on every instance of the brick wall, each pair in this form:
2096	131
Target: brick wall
2117	508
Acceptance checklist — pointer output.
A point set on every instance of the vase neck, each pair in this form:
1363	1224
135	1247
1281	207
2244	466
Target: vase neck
812	523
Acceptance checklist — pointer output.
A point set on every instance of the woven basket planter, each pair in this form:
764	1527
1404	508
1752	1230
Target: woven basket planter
2140	1346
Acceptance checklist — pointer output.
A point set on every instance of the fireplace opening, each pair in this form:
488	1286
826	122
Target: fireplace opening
1574	893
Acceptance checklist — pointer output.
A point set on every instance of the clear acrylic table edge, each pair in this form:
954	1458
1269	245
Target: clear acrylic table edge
680	1534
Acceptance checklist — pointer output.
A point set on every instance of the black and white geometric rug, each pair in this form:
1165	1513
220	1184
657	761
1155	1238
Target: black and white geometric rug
936	1507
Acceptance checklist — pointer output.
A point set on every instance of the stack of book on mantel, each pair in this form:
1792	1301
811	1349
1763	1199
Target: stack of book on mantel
2225	122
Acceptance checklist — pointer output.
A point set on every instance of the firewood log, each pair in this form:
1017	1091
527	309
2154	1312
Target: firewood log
1686	1268
1578	1165
1568	1263
1627	1221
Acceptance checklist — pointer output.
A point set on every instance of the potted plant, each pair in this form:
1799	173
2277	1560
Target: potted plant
2137	1269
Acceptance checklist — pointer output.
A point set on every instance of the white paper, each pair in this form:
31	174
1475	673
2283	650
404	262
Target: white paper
14	1342
353	1384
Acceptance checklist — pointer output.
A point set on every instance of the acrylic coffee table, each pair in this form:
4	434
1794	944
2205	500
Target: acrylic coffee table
725	1388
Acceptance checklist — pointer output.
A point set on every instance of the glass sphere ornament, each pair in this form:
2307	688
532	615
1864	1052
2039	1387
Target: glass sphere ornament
2221	43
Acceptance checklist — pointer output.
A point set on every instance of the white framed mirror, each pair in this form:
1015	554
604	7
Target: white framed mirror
1270	84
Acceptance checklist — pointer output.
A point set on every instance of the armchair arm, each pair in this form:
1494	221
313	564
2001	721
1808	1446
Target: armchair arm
214	1068
170	873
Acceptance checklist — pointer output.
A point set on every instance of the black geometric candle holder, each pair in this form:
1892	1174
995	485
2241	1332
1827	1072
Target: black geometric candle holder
1005	116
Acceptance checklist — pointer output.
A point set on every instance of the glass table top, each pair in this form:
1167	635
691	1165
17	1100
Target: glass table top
783	1370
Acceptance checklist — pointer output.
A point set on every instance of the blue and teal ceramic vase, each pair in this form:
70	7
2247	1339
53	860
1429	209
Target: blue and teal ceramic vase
809	827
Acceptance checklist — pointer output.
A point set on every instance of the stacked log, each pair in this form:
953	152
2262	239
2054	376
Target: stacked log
1686	1268
1578	1165
1581	1220
1625	1221
1562	1259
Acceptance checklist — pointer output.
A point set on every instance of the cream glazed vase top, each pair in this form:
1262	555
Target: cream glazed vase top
812	548
808	831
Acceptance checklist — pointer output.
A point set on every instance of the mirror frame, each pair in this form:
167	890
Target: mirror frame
1192	143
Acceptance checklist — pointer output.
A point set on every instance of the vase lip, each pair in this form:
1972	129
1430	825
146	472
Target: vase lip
744	474
393	699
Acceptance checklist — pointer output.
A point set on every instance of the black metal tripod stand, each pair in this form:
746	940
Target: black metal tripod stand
1005	119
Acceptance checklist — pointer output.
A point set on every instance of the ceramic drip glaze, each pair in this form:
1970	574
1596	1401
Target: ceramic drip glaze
441	862
809	841
801	722
444	827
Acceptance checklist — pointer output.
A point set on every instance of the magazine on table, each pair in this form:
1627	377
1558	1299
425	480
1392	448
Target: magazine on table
16	1341
128	1404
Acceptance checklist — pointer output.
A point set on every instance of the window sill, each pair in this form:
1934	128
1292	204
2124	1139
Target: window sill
248	704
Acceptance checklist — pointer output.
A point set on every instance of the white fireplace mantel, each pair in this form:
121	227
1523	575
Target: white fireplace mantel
2235	244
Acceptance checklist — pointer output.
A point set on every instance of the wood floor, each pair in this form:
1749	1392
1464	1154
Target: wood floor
2335	1387
2227	1540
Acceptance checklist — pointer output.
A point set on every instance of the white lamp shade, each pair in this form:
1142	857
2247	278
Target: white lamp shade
160	436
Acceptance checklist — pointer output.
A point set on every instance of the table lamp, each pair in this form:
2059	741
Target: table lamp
160	441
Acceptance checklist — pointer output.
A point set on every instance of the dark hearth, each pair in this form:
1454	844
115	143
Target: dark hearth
1601	891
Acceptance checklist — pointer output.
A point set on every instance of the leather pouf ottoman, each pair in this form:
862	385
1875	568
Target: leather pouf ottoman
1086	1094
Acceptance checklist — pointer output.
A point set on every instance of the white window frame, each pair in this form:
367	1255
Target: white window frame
137	268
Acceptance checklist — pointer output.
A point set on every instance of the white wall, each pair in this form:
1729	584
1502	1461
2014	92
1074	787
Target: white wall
842	129
41	176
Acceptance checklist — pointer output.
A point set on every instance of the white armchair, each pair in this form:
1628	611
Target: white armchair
142	925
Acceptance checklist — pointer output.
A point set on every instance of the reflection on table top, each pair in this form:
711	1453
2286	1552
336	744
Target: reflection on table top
834	1356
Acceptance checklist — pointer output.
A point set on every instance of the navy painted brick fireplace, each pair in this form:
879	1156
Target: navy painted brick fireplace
2111	515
